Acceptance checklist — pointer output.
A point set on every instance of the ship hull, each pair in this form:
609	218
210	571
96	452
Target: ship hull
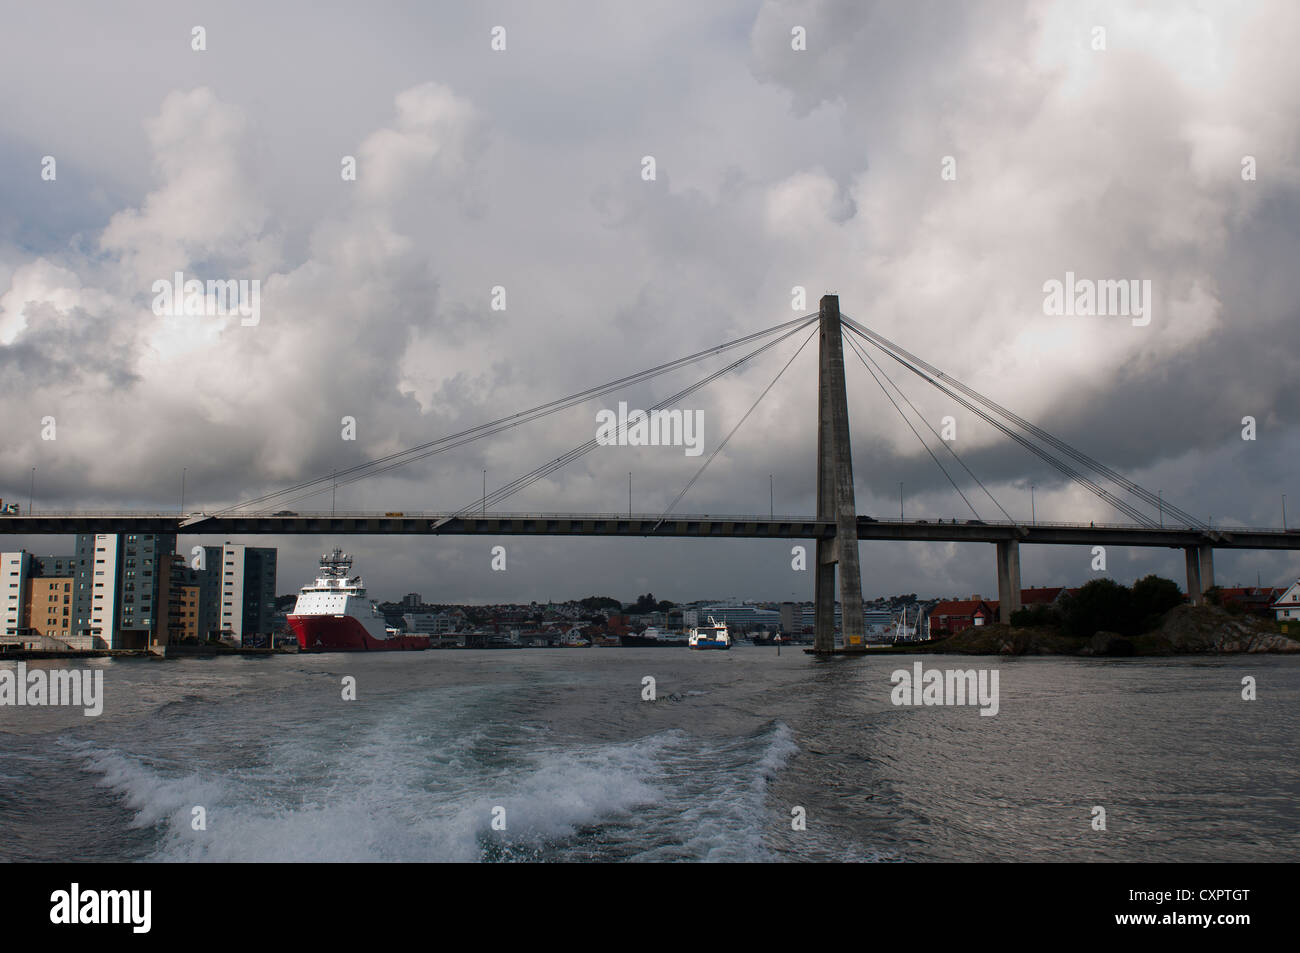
710	644
328	633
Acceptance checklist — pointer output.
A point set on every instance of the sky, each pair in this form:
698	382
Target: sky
933	164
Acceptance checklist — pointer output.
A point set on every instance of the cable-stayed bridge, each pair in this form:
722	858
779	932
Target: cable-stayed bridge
836	528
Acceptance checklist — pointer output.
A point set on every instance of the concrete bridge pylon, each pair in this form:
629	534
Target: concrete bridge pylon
835	498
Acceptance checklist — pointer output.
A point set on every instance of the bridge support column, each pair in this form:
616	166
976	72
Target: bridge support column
1008	579
1194	591
835	499
1200	571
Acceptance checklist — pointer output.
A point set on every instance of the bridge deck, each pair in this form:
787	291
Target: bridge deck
614	524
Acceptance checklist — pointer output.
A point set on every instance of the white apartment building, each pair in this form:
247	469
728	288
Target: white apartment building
101	575
14	568
430	623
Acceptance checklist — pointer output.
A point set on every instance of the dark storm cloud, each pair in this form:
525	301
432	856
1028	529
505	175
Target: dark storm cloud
776	168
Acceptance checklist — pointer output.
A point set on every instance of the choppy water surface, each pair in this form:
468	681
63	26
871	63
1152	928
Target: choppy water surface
411	770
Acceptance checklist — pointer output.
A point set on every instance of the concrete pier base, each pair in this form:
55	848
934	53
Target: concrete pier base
1200	571
1008	579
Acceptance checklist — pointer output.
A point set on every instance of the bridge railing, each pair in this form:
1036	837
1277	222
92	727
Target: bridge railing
1052	524
1031	524
526	515
410	514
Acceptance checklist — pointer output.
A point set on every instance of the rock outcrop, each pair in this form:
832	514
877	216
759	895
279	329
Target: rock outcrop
1183	630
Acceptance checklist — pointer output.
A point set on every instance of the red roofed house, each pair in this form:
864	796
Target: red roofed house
1258	600
1040	595
949	618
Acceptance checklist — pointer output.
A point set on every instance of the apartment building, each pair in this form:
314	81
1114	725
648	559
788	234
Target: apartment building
237	584
14	571
121	589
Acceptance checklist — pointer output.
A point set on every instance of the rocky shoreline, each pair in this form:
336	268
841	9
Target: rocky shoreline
1184	630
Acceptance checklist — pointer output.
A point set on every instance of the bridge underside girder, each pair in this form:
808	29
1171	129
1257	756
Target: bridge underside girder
645	525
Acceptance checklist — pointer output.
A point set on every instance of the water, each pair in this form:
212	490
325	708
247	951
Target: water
412	770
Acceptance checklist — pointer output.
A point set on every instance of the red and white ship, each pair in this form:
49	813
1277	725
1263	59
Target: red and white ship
334	615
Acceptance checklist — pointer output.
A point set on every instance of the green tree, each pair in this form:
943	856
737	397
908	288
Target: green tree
1153	596
1036	615
1102	604
645	603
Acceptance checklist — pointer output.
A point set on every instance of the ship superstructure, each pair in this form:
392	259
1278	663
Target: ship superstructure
714	635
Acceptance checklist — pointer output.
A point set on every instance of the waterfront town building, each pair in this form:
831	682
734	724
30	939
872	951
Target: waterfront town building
131	591
37	601
953	616
1287	606
237	586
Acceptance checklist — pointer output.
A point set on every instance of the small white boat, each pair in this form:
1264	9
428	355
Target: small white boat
711	636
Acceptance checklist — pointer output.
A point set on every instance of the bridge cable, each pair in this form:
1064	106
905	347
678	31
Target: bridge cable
1064	468
946	445
700	472
1132	487
507	423
509	489
527	479
854	345
504	423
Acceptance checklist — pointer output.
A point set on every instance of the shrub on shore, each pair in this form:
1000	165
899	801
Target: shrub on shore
1104	605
